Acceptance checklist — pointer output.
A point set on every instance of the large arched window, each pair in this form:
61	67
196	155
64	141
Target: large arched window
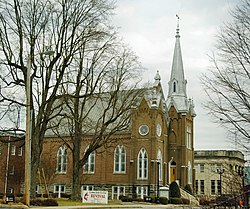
159	159
120	159
142	164
61	160
89	166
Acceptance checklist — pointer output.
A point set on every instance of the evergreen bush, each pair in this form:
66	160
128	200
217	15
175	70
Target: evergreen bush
164	200
174	190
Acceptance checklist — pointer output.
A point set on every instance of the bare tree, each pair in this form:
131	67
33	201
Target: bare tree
232	186
31	30
98	100
227	84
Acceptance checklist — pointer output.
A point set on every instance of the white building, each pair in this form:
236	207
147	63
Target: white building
218	172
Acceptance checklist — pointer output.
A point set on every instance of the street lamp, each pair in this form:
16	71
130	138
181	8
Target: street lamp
220	171
158	181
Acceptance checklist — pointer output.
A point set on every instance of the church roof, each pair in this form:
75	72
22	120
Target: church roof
96	106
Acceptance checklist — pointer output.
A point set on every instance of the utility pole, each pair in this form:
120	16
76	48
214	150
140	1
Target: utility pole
27	135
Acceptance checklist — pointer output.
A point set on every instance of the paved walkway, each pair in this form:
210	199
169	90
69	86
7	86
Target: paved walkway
122	206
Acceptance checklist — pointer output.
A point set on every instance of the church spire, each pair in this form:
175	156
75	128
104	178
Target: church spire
177	84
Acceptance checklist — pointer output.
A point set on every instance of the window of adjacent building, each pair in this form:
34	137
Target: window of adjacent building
37	189
188	137
62	160
142	164
141	191
202	187
13	150
10	190
120	159
197	186
117	191
20	151
212	168
196	167
12	170
212	186
59	189
159	164
89	166
218	187
202	169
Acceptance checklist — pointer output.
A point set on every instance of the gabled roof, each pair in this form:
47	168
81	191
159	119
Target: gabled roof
95	106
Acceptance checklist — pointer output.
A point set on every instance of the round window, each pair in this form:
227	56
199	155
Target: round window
143	130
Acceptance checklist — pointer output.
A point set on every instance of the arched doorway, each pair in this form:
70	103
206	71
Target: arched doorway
172	170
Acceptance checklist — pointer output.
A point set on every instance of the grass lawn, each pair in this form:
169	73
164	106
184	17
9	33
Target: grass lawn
69	202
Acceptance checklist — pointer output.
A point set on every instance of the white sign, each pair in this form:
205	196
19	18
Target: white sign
95	197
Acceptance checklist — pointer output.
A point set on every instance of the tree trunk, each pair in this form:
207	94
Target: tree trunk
35	162
76	193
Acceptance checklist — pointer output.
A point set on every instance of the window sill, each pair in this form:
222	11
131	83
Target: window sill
63	173
118	173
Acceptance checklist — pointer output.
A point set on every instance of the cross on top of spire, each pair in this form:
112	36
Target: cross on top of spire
177	29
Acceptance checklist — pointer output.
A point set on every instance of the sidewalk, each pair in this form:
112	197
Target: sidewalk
101	206
121	205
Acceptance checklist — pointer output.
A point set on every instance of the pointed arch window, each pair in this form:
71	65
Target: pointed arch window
89	166
159	159
62	160
174	86
142	164
188	138
120	159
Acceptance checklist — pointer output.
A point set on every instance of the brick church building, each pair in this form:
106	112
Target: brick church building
156	150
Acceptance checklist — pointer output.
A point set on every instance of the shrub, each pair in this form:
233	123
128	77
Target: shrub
19	195
204	201
185	201
175	200
36	202
49	202
164	200
126	199
64	195
137	199
174	190
188	189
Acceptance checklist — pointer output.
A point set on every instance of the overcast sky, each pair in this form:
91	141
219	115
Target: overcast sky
149	26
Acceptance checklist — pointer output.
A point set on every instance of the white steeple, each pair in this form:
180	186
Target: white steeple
177	94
